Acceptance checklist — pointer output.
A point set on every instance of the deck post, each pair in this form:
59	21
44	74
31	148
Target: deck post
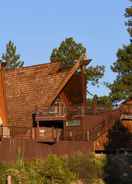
9	179
37	130
84	102
84	86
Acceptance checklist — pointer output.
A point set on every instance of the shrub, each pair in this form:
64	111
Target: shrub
54	171
87	167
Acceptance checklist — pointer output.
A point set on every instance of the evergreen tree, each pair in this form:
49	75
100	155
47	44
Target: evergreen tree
11	58
69	51
128	14
121	88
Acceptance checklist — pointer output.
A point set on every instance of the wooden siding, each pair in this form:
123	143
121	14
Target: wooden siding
126	116
3	113
28	89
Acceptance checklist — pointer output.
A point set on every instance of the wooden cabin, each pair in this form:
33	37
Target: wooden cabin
126	116
46	100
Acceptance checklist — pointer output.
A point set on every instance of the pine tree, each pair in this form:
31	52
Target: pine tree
11	58
128	14
121	88
69	51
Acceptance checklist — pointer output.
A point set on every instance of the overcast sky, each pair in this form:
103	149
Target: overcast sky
38	26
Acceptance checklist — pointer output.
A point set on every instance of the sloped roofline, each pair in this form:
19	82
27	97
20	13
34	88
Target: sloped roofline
2	67
72	70
76	66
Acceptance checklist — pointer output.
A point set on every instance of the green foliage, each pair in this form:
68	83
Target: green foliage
3	169
118	169
128	14
69	51
102	101
55	170
49	171
121	88
105	101
118	166
88	168
118	137
93	74
10	58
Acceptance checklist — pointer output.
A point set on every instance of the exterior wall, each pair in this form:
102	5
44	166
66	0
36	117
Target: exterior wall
127	111
3	115
74	98
127	124
95	127
33	150
74	132
28	89
101	142
31	89
92	127
22	98
73	91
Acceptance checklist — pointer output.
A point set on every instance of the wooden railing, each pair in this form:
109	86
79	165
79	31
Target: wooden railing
70	110
126	117
15	132
50	135
90	134
40	134
75	133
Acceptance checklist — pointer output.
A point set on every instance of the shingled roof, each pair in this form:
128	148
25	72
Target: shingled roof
32	86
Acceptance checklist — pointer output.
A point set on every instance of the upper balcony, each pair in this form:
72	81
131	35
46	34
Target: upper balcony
61	112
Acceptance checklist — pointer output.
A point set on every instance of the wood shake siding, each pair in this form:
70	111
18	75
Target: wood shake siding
29	87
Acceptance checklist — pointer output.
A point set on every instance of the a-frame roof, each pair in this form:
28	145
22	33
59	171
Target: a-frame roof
36	86
44	79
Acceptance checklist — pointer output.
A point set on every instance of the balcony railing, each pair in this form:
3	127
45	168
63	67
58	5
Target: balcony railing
69	110
16	132
126	117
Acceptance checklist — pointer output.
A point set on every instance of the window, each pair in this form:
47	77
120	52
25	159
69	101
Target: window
73	123
57	107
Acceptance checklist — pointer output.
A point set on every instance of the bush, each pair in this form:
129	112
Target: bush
88	168
54	170
118	169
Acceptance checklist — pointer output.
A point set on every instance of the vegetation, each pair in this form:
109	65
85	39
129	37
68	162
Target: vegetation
11	59
69	51
102	102
121	87
105	101
118	137
54	170
128	14
88	168
115	169
118	169
118	166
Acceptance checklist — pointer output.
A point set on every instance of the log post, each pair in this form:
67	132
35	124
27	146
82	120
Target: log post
95	104
9	179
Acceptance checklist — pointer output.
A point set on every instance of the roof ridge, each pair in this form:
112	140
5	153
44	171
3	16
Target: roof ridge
31	66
